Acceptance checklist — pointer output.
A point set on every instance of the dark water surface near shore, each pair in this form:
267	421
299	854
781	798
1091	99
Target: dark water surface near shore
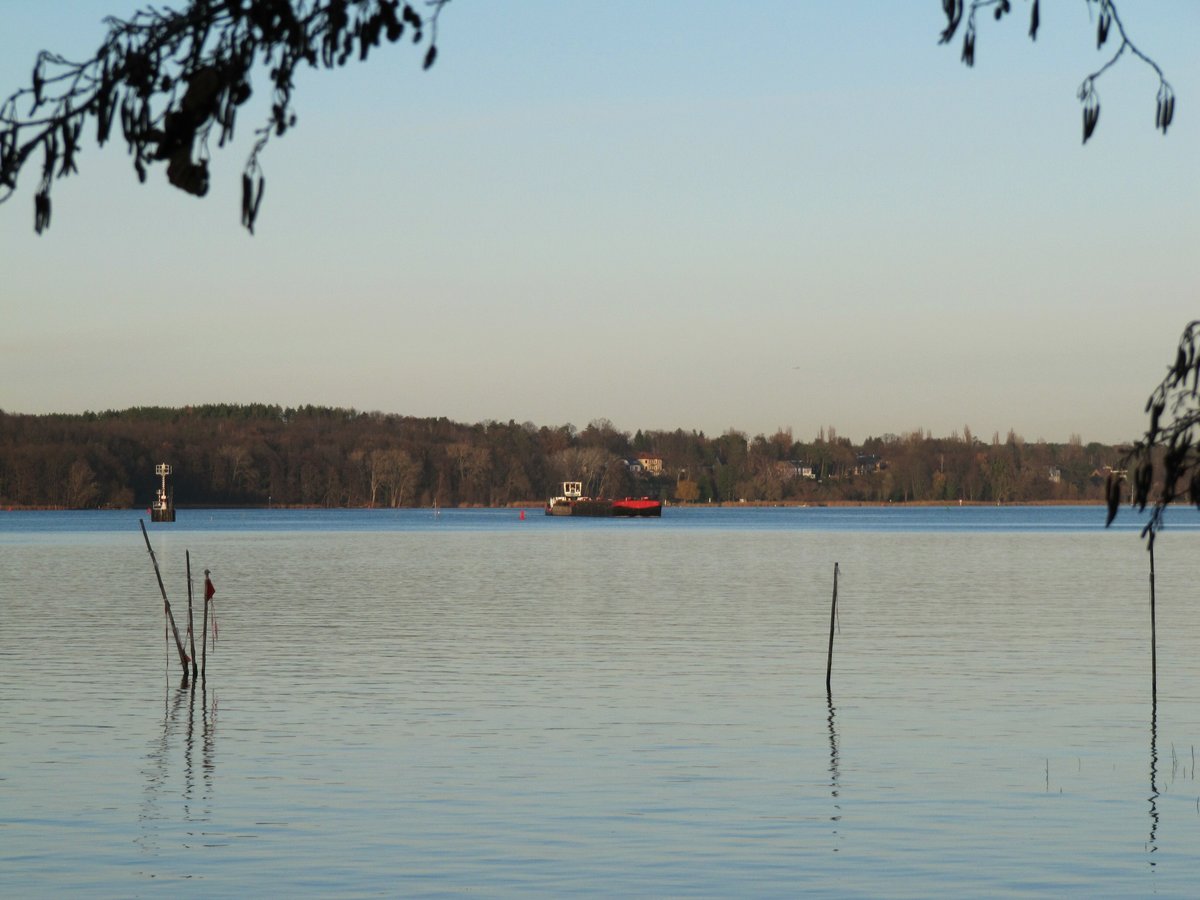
404	704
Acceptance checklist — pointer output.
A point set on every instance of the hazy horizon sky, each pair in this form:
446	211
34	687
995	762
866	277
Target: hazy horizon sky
661	214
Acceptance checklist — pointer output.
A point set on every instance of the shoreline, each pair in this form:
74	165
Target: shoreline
538	505
903	503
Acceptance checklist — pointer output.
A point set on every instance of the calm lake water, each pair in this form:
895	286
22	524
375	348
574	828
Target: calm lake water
404	704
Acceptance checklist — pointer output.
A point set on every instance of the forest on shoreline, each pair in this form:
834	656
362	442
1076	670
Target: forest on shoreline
263	454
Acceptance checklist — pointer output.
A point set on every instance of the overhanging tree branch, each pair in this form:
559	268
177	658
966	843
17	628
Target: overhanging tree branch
1166	460
169	77
1107	17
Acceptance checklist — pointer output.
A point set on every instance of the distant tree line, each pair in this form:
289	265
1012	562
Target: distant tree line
259	454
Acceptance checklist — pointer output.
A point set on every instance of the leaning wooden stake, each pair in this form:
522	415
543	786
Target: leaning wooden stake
183	659
1153	639
832	624
191	621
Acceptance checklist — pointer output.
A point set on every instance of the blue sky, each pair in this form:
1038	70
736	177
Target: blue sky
696	215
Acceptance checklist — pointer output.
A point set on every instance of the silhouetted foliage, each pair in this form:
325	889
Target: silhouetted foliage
1106	17
1166	461
169	78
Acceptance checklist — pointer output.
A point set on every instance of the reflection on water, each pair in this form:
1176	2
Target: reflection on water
1152	844
601	710
834	778
157	772
179	769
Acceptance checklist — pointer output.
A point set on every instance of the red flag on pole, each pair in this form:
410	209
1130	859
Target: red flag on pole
209	591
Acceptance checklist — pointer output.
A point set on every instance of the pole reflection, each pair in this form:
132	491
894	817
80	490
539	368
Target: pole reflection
189	744
157	773
1152	844
209	737
197	805
190	786
835	788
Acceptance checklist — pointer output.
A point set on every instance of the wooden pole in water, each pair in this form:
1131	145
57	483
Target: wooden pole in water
1153	638
191	620
832	624
183	660
204	630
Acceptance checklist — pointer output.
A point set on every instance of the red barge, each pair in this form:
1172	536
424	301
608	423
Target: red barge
571	502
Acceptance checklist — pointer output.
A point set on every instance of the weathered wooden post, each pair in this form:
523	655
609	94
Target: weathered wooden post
1153	638
832	625
191	621
204	634
183	659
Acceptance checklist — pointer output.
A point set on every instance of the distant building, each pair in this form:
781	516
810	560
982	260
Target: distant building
866	463
1054	474
796	468
652	465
